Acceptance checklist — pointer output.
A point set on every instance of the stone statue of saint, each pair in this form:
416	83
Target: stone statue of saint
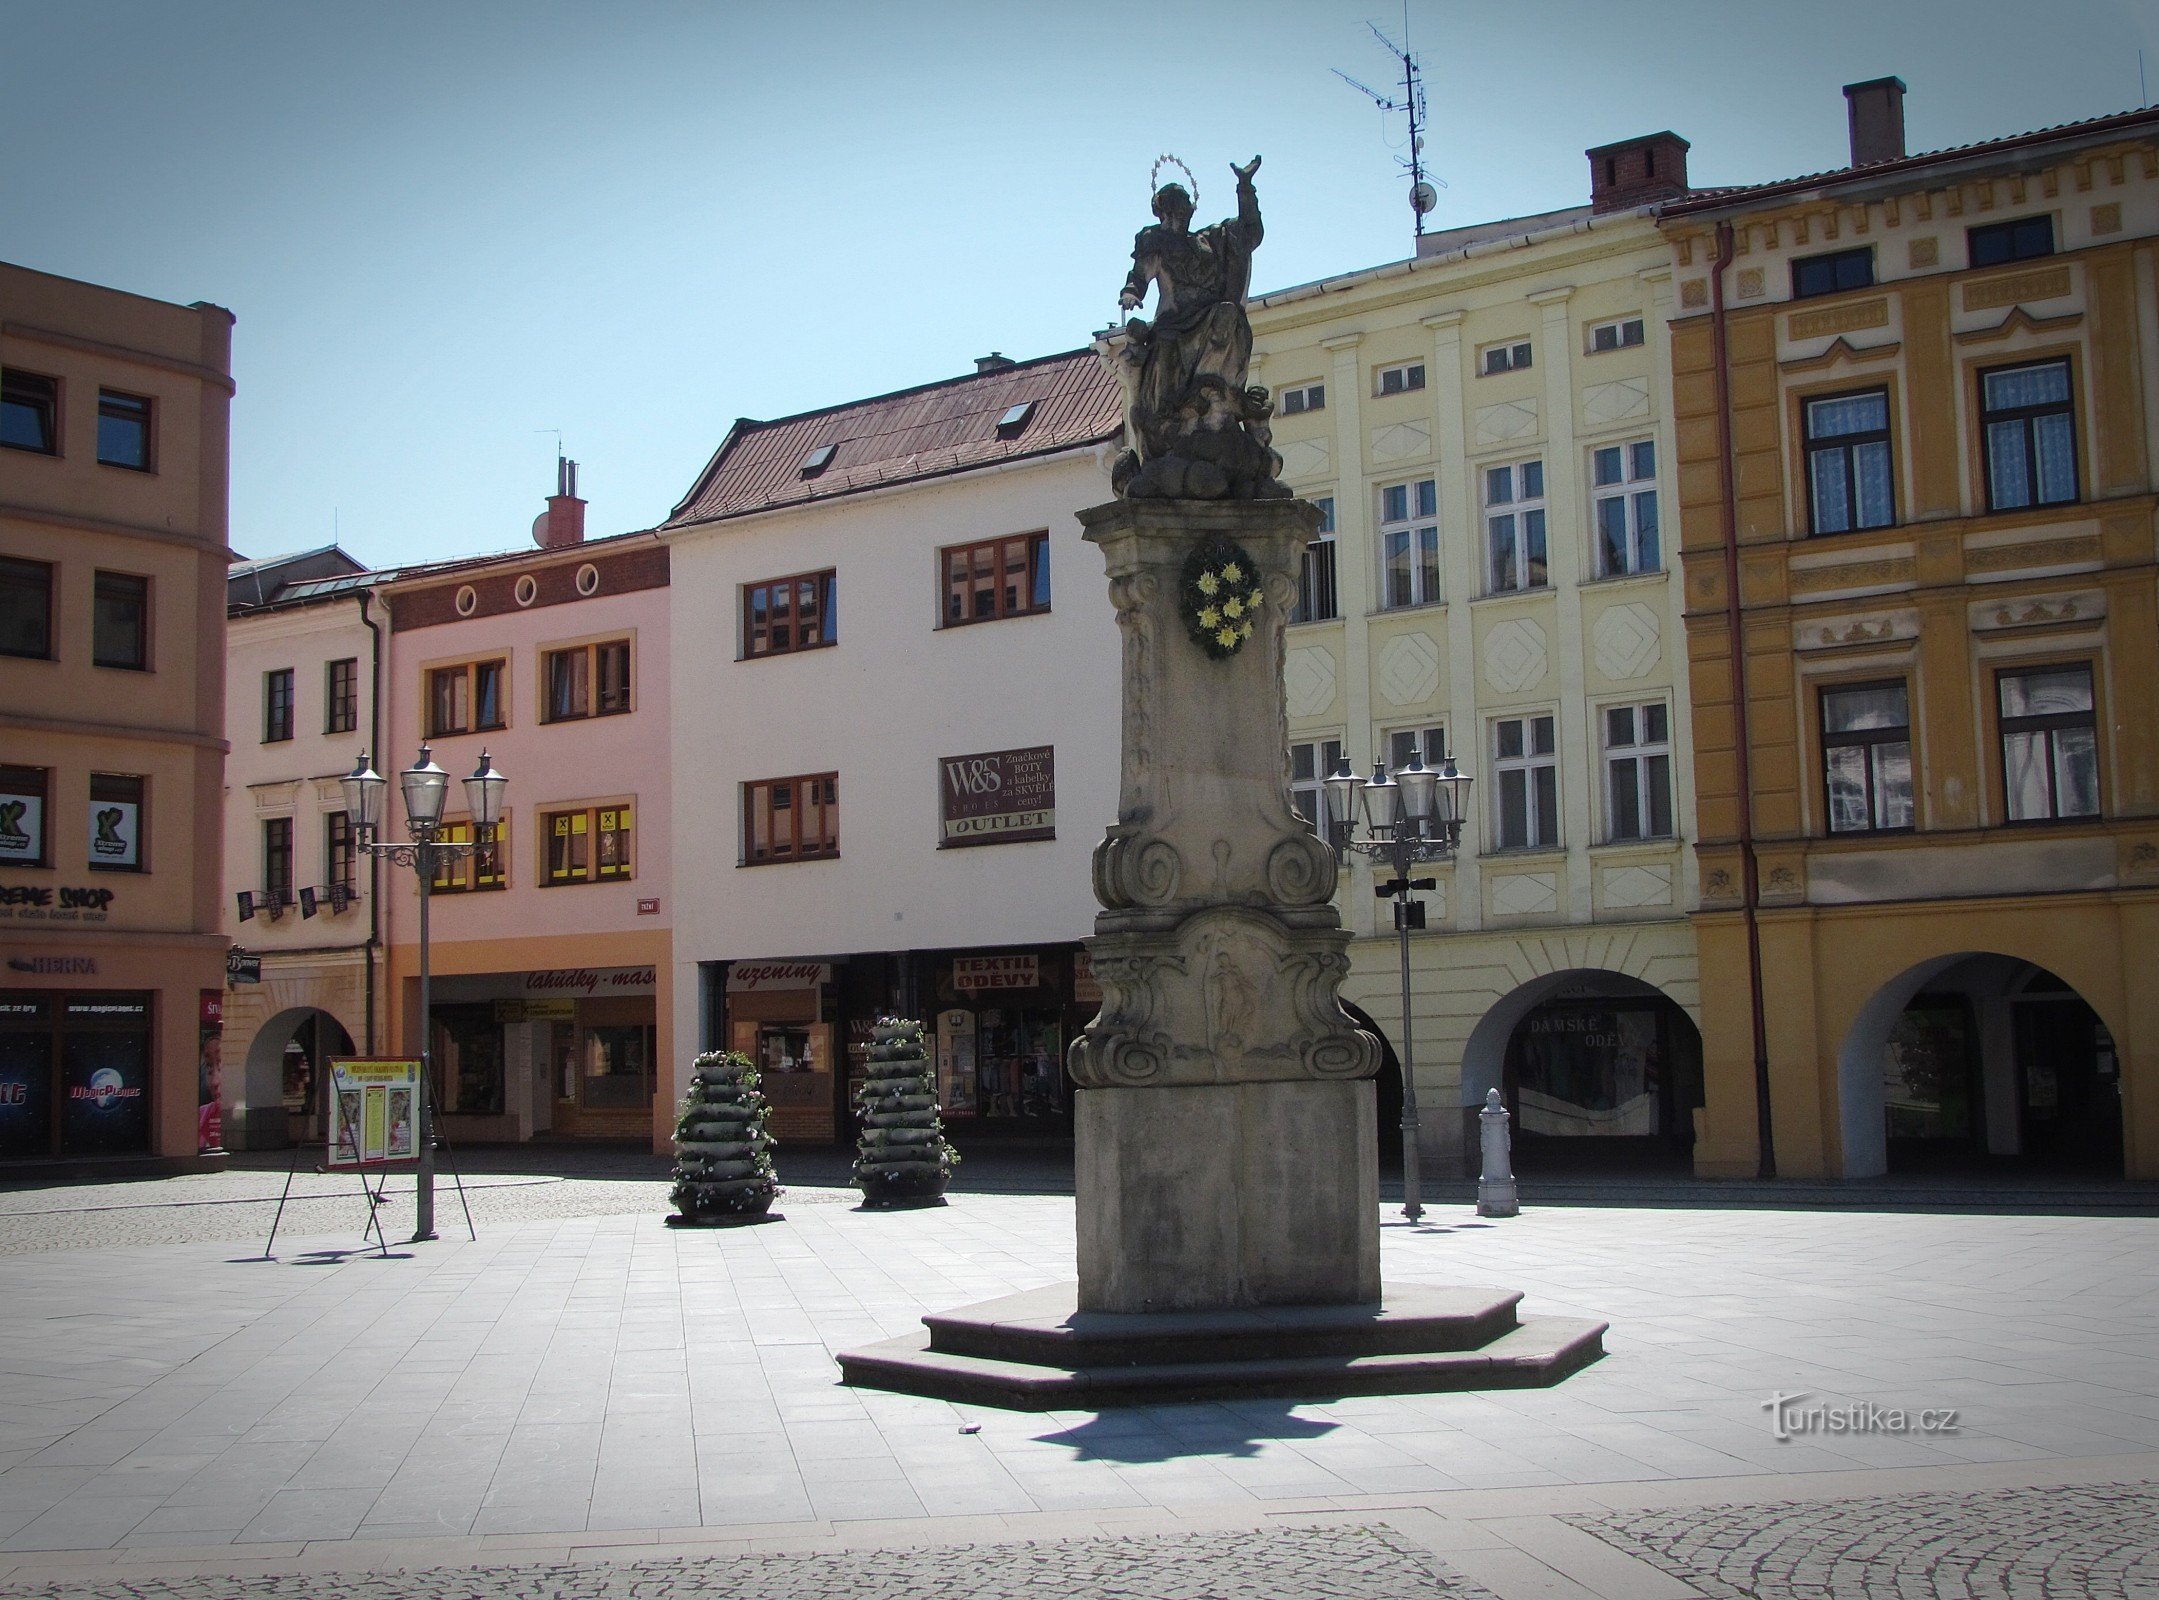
1193	428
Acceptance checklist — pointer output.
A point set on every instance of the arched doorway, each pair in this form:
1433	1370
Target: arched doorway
1600	1071
1387	1090
1977	1062
287	1064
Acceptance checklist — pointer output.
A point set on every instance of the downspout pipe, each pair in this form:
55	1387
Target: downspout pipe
1742	737
374	862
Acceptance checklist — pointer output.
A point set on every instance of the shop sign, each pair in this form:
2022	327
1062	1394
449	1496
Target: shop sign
241	967
22	827
116	833
374	1110
975	974
1002	797
1086	987
760	977
535	1010
55	966
35	902
592	981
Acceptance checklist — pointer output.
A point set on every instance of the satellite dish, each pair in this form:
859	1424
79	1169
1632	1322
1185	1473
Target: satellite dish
1423	199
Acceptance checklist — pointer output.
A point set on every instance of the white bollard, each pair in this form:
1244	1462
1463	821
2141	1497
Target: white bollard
1495	1189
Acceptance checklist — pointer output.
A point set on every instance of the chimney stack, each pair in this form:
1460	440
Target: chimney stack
994	362
563	522
1637	172
1876	108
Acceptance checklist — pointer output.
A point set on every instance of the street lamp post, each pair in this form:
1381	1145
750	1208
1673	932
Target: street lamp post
424	786
1414	816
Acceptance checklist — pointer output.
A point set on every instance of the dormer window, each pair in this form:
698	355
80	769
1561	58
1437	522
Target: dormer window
818	459
1014	421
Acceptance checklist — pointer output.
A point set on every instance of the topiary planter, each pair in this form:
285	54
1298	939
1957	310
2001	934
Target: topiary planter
902	1158
723	1161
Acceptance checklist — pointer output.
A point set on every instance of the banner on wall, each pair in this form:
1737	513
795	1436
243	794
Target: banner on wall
374	1110
956	1063
210	1075
998	797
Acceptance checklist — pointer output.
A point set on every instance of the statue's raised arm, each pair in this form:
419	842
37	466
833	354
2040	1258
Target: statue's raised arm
1194	430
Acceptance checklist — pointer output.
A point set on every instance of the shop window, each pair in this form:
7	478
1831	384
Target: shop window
1638	771
277	705
1514	527
1309	763
1832	273
119	822
1315	576
123	430
25	608
466	1042
1849	479
1867	757
466	698
30	412
476	870
617	1070
791	819
2029	432
587	680
1623	494
996	578
2050	743
341	696
276	864
120	621
1525	792
25	794
591	844
74	1073
1409	543
783	615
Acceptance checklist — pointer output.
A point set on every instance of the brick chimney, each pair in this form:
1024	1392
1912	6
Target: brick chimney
1876	108
563	522
1637	172
995	361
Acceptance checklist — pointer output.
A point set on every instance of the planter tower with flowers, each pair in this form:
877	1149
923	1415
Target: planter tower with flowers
723	1151
902	1158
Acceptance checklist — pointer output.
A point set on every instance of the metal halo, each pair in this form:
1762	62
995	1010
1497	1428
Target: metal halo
1154	177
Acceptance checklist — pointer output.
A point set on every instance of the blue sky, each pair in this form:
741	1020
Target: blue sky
449	228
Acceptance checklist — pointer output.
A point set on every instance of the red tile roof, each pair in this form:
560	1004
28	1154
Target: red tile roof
926	432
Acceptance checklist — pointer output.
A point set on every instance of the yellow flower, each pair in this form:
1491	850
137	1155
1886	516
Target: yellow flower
1252	600
1225	637
1208	583
1210	618
1233	608
1233	572
1246	633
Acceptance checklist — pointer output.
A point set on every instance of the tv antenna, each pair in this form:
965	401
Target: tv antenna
1423	190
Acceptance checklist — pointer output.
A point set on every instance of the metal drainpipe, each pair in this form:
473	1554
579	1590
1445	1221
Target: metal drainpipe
374	862
1749	872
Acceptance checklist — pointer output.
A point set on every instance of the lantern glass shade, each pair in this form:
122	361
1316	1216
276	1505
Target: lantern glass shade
364	788
1418	783
1451	804
1382	800
483	793
425	786
1342	787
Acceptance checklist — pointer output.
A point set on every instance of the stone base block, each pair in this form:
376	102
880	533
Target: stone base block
1214	1196
1038	1351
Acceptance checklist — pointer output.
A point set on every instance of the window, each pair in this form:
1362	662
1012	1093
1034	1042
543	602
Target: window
123	430
1832	273
1514	526
1623	493
1309	397
1638	771
485	868
791	819
588	845
1512	357
996	578
117	823
1623	334
25	608
1525	792
2028	425
2025	239
1848	477
120	621
30	412
1409	543
1867	757
1402	743
788	614
277	862
277	705
818	459
1015	419
2050	743
1309	764
341	696
587	680
338	858
466	698
24	792
1398	380
1315	578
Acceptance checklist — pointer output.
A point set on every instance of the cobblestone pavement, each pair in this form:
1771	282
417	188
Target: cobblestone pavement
2098	1542
1289	1563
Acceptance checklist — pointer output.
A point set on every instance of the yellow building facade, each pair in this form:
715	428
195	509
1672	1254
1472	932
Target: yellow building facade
1916	406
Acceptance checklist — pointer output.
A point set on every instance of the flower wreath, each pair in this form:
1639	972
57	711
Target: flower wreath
1220	597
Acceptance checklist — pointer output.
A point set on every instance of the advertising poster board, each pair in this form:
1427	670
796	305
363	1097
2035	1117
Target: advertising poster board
104	1074
998	797
374	1111
210	1074
956	1063
116	833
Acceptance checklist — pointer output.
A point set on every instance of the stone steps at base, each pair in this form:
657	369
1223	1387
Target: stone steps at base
1537	1352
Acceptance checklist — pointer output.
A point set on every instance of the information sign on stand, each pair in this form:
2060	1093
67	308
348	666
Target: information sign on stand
374	1111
